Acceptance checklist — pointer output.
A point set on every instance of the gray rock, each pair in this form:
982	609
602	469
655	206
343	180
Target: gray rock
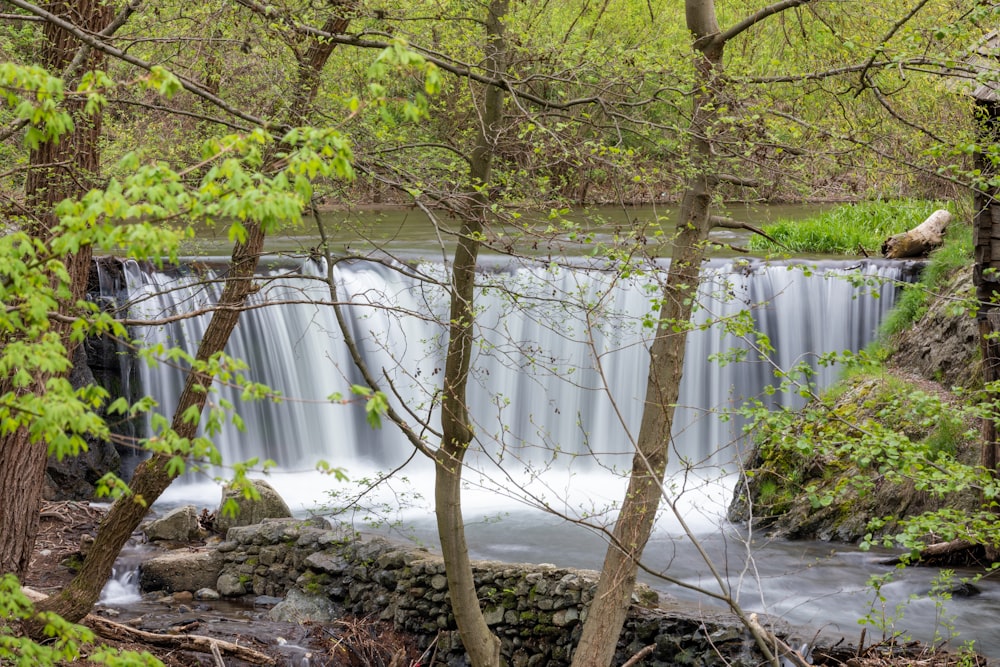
299	607
249	512
178	525
206	594
180	571
230	584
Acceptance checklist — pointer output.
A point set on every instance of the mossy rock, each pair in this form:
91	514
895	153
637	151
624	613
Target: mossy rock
825	473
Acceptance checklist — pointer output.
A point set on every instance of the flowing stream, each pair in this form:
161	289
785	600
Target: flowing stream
556	392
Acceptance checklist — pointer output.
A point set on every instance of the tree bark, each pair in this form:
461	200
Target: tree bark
986	277
60	169
920	240
457	430
152	477
637	515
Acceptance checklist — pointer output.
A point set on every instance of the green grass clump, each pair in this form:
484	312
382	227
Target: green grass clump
849	229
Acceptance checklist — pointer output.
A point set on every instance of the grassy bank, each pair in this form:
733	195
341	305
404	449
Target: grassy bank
849	229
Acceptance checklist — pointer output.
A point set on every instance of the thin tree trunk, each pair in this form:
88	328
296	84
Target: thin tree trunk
152	477
607	612
480	643
60	169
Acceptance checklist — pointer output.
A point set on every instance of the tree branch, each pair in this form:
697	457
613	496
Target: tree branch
757	17
104	47
892	31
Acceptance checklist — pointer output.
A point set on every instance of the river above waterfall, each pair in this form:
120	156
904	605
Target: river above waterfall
556	388
408	233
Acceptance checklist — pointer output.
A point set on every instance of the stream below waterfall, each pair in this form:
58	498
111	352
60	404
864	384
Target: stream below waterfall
556	394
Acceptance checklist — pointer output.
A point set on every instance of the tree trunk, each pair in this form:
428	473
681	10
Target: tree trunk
152	477
920	240
480	643
986	276
60	169
607	612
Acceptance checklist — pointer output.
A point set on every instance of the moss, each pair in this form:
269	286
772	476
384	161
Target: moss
313	583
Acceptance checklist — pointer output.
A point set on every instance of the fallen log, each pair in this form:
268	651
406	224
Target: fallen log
920	240
117	631
729	223
198	643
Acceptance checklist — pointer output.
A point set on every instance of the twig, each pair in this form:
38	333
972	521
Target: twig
643	652
783	650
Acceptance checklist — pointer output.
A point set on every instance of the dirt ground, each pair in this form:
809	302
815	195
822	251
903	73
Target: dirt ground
65	526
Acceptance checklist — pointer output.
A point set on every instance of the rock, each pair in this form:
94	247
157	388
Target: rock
230	584
75	477
180	571
943	345
206	594
299	607
249	512
178	525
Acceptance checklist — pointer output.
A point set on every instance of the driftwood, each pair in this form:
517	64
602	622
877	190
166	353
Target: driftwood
784	651
729	223
920	240
117	631
198	643
939	550
638	657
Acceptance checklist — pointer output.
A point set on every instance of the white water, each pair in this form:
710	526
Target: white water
545	414
559	369
123	586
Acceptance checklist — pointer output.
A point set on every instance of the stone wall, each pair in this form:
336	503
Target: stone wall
536	610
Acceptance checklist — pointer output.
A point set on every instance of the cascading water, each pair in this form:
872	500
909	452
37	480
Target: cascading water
559	368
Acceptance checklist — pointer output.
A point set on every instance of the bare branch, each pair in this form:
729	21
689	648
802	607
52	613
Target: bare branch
892	31
757	17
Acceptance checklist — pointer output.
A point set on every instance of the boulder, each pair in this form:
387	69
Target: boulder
181	570
177	525
299	607
249	512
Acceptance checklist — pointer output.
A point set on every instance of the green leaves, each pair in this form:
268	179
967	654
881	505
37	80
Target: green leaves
376	405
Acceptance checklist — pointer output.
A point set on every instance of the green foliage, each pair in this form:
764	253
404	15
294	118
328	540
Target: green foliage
64	640
955	254
874	431
849	229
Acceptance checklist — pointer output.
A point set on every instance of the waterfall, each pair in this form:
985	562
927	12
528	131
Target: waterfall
559	368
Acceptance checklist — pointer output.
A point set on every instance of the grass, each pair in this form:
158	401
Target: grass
849	229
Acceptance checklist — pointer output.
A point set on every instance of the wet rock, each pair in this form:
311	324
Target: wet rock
75	477
206	594
299	607
180	571
178	525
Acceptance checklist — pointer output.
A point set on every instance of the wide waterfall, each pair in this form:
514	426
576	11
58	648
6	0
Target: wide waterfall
559	370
